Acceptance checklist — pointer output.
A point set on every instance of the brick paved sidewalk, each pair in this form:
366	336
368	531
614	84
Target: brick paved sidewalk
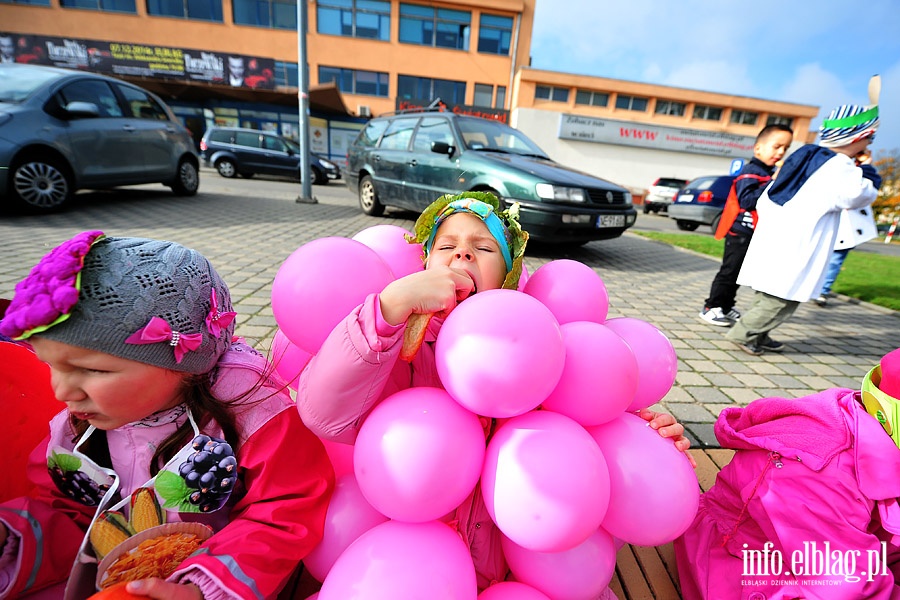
247	238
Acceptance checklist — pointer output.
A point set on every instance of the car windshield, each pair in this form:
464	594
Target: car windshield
292	145
493	136
19	82
664	182
703	183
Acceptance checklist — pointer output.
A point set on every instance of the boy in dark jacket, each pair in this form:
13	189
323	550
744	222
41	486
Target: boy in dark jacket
738	219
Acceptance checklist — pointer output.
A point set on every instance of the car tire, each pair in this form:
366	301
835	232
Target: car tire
687	225
715	223
248	175
368	197
187	181
40	185
647	209
318	177
226	168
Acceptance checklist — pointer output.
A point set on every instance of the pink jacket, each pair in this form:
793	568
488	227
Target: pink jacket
814	477
273	519
353	371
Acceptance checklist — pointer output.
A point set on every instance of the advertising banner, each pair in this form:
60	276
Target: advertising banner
677	139
139	60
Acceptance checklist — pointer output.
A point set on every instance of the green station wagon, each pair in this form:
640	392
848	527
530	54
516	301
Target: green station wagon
407	160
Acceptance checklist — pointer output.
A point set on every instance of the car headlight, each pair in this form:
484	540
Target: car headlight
548	191
327	165
628	198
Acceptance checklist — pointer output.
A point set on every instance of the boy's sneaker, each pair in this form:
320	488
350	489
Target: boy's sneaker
715	316
771	345
822	300
750	348
733	314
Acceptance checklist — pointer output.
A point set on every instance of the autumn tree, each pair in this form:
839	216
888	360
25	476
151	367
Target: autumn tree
887	206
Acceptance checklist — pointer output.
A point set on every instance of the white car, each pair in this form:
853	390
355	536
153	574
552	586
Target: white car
660	194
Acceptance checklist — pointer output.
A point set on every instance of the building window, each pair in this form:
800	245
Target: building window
494	34
278	14
554	94
743	117
437	27
631	103
667	107
423	88
354	18
126	6
483	95
778	120
201	10
500	102
351	81
590	98
31	2
707	113
286	74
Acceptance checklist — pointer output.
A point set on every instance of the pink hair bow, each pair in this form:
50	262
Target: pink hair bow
157	330
216	321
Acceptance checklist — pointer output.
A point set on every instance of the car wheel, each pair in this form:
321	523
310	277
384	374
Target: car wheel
715	223
647	209
226	167
40	186
318	177
687	225
188	180
368	197
248	175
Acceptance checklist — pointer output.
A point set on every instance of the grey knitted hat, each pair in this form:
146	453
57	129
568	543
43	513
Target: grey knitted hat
151	301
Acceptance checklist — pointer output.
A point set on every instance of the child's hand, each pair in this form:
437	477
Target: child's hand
163	590
667	427
435	290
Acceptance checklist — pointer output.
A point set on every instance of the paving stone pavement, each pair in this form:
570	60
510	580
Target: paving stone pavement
248	231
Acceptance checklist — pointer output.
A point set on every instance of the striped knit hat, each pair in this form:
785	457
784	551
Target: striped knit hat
847	124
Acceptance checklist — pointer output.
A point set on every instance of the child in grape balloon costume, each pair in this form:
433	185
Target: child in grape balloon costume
138	337
470	246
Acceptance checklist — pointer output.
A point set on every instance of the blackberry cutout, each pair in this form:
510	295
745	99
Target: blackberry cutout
209	472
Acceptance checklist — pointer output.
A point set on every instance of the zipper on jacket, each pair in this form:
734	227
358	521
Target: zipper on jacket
774	459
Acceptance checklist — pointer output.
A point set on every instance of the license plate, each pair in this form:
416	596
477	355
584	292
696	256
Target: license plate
611	221
685	197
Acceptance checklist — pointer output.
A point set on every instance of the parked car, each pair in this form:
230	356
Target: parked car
700	202
64	130
660	194
237	151
408	160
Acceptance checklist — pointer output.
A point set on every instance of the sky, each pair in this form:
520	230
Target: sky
815	52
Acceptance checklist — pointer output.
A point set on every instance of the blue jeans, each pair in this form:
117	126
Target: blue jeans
834	267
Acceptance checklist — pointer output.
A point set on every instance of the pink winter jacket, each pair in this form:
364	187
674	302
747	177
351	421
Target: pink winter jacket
354	370
814	477
275	516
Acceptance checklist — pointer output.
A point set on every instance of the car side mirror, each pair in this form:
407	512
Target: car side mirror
442	148
82	109
290	151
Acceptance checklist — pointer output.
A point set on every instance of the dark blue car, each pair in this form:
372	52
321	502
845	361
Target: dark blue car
700	202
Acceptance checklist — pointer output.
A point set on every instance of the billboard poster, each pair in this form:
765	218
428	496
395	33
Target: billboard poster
139	60
629	133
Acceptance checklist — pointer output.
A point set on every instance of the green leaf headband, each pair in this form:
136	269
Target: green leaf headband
428	221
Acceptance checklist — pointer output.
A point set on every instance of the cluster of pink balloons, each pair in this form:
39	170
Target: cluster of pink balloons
567	472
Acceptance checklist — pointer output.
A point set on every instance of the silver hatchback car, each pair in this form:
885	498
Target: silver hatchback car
64	130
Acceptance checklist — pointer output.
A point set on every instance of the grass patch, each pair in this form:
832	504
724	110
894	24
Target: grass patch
866	276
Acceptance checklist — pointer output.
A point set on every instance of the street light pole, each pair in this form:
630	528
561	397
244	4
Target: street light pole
305	196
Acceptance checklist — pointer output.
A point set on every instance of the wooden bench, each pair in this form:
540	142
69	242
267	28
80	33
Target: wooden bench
649	573
642	572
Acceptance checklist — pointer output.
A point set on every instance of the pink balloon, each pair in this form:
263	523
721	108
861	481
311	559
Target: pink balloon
600	376
571	290
511	590
320	283
348	517
418	455
500	353
403	560
545	482
340	455
314	596
288	359
580	573
390	243
658	364
654	492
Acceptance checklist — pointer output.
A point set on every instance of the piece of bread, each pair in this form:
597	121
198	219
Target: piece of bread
414	335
